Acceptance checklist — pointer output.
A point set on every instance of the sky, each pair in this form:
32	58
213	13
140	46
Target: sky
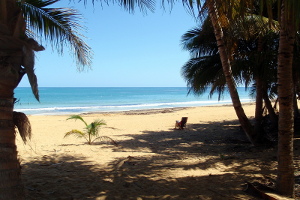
129	50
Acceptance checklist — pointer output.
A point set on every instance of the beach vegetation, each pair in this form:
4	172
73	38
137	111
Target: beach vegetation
90	132
221	14
252	65
214	52
23	125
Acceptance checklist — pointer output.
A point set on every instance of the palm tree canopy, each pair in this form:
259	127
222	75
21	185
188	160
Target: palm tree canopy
59	26
130	5
200	41
24	22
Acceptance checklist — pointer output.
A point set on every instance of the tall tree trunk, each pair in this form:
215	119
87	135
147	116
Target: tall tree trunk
258	107
259	90
245	123
10	180
11	55
285	177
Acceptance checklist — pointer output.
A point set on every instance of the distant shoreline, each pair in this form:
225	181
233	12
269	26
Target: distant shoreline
147	111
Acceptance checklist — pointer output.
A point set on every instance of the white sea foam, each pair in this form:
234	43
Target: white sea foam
112	108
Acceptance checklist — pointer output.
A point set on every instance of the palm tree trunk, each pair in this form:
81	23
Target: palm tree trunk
11	55
10	185
258	108
245	123
285	177
259	92
10	180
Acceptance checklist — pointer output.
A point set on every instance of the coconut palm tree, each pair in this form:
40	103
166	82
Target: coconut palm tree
289	24
256	58
204	69
21	23
219	20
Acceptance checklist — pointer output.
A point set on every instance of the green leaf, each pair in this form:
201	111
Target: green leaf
75	132
78	117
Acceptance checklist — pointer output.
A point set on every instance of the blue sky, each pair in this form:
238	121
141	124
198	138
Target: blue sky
129	50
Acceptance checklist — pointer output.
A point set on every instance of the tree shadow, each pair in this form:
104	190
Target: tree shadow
180	165
214	138
142	178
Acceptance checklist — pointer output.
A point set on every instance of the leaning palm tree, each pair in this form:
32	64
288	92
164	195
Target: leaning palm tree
219	21
22	24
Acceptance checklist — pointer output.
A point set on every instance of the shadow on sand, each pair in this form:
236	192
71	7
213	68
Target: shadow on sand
180	165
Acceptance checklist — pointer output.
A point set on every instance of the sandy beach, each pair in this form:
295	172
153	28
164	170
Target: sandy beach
210	159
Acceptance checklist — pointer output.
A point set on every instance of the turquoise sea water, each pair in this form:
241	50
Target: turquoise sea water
69	100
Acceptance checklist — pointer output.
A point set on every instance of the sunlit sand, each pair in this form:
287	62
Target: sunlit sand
210	159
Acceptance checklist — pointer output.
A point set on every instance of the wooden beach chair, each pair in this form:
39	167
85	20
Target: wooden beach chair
181	124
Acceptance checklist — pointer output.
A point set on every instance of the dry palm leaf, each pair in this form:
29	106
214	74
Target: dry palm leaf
21	121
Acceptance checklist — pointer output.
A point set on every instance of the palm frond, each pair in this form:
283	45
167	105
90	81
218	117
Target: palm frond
130	5
75	132
200	41
106	138
59	26
33	83
94	127
98	122
204	73
91	130
28	62
21	121
193	6
78	117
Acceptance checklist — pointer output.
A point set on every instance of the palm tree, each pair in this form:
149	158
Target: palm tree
255	56
218	19
21	23
19	20
289	24
204	69
91	133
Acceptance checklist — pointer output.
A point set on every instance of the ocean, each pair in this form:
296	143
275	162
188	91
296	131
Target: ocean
75	100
